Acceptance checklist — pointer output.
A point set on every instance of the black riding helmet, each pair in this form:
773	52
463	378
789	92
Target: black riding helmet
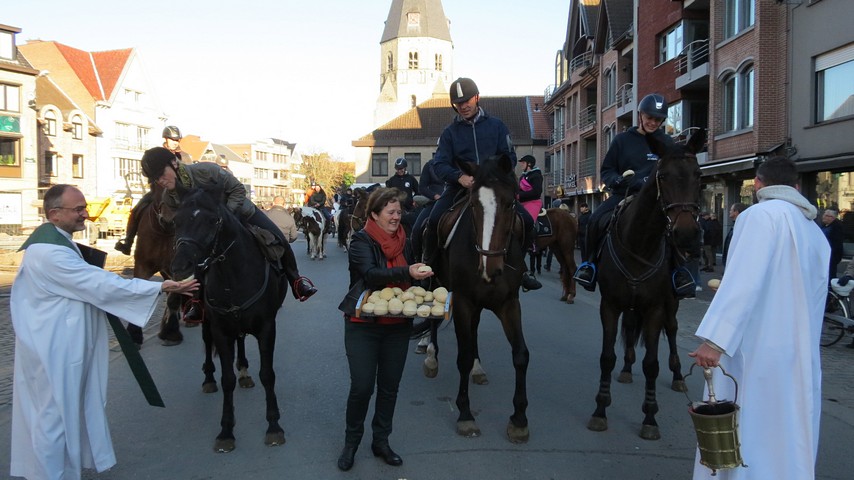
462	89
530	160
172	133
654	106
400	163
154	162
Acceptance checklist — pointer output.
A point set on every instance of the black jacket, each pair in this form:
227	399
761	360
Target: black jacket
430	185
369	269
535	179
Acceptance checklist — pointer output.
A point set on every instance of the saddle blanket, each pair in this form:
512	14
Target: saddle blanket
543	226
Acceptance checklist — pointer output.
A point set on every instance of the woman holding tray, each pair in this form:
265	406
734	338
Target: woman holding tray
376	346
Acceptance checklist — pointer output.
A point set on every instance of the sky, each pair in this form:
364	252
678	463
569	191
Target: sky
300	70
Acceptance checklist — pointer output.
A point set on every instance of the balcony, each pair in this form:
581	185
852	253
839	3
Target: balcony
587	118
692	66
583	61
625	100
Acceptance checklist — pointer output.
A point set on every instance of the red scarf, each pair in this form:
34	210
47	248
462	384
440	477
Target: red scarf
392	244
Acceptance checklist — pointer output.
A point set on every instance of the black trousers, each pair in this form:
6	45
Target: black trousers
376	355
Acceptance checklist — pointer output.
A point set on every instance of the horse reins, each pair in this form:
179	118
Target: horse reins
503	251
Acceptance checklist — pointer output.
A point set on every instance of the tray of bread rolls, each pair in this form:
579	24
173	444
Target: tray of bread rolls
409	303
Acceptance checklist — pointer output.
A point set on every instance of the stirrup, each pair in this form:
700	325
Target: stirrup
685	288
302	297
187	307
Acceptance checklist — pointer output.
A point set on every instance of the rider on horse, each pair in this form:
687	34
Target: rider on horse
473	137
317	199
625	169
161	166
531	188
172	142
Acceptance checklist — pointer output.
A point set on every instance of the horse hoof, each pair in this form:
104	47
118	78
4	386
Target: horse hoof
517	434
563	298
479	379
570	300
468	429
431	368
597	424
678	386
224	445
246	382
274	439
650	432
209	388
170	342
193	324
625	377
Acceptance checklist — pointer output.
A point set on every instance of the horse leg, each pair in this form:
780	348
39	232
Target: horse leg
607	359
670	329
170	330
567	268
511	320
225	440
209	368
431	361
243	377
266	347
630	323
649	429
478	374
463	314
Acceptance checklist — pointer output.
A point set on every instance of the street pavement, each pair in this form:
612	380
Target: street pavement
312	381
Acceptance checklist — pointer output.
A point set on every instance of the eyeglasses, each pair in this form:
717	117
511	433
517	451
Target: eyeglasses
79	209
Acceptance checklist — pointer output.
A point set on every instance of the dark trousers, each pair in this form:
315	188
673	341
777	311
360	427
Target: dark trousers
376	355
289	261
594	232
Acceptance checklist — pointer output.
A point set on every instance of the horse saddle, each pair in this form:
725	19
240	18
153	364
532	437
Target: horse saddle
450	219
543	225
270	246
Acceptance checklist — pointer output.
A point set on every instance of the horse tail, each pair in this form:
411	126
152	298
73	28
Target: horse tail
632	326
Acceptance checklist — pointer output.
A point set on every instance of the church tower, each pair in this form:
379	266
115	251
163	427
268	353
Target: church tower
416	57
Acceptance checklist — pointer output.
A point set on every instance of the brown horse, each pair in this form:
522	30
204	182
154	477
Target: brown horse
562	243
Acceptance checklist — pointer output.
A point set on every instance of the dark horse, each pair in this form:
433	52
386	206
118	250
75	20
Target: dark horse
155	247
562	243
242	294
635	273
486	272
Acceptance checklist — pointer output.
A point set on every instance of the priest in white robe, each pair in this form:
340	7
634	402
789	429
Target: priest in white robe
58	306
763	327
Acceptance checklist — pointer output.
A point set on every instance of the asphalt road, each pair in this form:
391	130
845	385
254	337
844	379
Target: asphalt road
312	382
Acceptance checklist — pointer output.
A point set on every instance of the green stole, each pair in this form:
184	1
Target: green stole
48	233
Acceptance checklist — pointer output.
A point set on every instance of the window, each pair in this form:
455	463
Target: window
77	166
9	148
413	163
7	45
49	166
50	123
739	15
413	60
10	98
673	124
379	165
609	86
125	166
670	44
142	138
77	127
390	62
438	62
738	100
834	75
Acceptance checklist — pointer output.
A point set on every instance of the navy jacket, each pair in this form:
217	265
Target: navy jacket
471	142
629	151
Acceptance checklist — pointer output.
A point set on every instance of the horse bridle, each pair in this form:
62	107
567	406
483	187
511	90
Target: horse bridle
212	257
684	207
503	251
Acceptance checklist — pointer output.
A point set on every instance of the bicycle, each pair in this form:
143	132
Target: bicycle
837	320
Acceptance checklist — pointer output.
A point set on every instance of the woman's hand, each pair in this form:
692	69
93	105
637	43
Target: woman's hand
420	271
186	287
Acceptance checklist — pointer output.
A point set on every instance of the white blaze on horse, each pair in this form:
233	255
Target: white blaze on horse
313	224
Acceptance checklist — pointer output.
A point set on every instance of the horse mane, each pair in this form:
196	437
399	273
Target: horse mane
497	170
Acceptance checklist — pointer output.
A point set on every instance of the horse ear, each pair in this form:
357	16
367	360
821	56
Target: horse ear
469	168
505	163
697	141
657	143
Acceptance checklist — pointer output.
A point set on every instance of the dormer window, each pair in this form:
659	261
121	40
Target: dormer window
7	45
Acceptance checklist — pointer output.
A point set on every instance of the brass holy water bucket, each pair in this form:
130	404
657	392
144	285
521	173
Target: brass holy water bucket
716	425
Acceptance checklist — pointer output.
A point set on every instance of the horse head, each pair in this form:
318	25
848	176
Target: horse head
359	214
198	224
493	201
677	180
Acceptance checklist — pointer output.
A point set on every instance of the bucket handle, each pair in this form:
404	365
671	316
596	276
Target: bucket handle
707	374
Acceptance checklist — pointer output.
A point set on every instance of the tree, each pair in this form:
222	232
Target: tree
330	173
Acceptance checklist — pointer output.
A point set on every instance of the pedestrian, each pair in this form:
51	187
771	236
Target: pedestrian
58	306
161	167
282	218
712	239
403	181
768	338
625	168
376	347
473	137
832	229
734	211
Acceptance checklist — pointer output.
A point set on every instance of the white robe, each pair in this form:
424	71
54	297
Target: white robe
767	317
59	422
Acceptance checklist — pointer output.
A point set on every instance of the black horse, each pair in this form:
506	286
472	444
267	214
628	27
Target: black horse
656	225
242	294
486	272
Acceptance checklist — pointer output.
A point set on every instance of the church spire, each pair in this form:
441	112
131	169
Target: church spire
416	57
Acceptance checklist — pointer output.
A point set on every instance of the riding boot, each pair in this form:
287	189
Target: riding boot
302	287
430	245
124	245
529	281
194	315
